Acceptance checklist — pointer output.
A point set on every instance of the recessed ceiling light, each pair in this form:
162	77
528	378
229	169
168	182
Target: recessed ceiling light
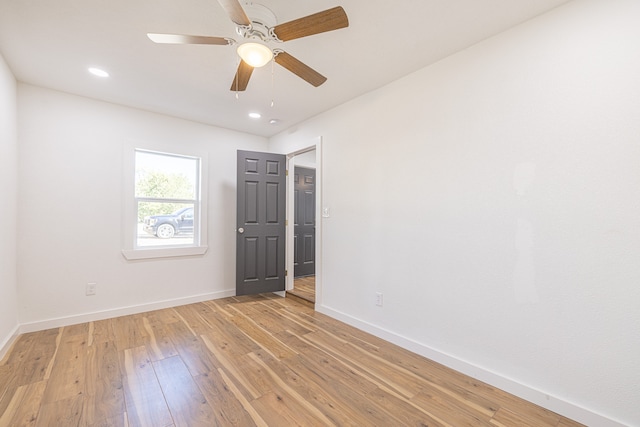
274	121
98	72
255	115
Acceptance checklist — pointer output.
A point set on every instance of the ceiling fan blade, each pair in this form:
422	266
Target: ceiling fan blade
235	12
184	39
241	80
329	20
300	69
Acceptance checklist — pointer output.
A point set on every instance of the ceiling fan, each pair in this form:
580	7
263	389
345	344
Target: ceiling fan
260	29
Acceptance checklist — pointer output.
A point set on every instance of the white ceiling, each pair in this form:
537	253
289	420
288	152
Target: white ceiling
51	43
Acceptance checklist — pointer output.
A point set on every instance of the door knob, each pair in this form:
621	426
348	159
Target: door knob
240	230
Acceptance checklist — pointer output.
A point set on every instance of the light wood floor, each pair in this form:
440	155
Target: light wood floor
305	288
243	361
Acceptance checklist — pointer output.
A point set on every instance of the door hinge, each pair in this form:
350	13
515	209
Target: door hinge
286	222
286	172
286	273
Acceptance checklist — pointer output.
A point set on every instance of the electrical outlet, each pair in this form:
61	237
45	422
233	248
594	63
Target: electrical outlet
91	288
379	299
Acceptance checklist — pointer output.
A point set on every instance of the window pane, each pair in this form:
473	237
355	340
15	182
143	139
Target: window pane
165	224
162	176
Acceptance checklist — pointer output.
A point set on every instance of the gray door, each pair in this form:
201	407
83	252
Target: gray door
304	234
260	243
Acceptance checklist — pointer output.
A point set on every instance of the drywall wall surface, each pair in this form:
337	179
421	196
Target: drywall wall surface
8	211
494	200
71	183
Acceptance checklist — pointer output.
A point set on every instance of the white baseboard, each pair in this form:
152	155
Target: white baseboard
122	311
540	398
6	343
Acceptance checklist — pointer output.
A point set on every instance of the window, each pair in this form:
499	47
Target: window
167	206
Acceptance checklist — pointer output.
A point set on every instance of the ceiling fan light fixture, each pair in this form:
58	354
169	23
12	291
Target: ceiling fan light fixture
255	54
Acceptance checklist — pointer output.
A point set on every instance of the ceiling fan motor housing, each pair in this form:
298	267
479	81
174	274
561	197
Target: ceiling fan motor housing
262	22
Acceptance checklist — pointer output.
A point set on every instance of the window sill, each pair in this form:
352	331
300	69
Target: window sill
136	254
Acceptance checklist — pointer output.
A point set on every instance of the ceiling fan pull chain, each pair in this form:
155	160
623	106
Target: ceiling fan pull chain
273	91
237	78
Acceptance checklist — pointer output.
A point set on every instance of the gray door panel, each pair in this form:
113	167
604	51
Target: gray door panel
260	242
305	222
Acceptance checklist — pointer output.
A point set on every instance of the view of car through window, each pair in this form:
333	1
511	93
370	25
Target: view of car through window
167	226
166	198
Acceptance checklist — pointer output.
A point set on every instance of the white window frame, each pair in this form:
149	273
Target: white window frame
130	211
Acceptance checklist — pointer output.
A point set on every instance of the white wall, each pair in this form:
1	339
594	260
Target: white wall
494	199
306	160
8	209
71	202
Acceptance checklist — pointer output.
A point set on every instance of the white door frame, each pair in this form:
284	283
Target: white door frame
317	146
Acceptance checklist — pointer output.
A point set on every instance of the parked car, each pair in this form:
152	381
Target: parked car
166	226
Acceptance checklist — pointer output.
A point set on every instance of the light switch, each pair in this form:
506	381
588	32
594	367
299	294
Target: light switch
325	213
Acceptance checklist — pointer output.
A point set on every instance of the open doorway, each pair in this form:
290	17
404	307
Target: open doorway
302	229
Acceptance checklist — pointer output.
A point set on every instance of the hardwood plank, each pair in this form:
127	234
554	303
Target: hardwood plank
20	348
255	416
235	367
24	406
262	316
406	411
52	360
8	386
128	331
445	407
281	409
228	408
191	348
144	399
404	363
444	379
384	376
505	418
67	379
187	405
158	338
319	389
35	365
281	383
265	310
466	397
118	421
347	388
190	316
104	394
566	422
228	337
164	316
230	340
79	330
336	328
304	288
63	412
324	368
101	332
262	337
292	295
522	407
